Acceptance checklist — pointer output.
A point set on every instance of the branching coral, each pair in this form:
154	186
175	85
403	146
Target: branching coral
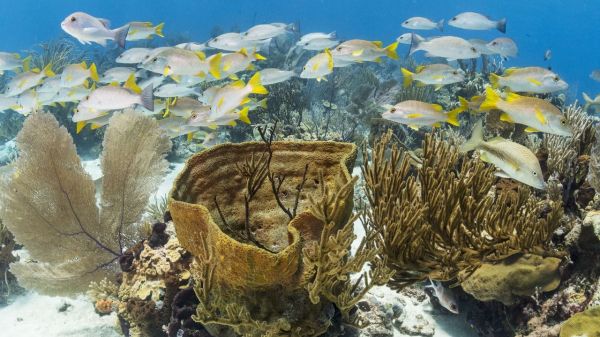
50	202
439	221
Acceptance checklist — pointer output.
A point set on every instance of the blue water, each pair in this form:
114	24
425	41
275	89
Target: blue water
569	28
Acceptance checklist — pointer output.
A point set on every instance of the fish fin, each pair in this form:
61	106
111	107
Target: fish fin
26	63
237	84
390	51
95	126
48	70
419	69
464	104
86	84
94	72
501	174
501	25
511	97
407	77
251	67
436	125
453	116
244	115
495	80
379	44
200	55
243	51
214	64
147	97
158	30
440	25
329	59
234	77
131	85
255	86
80	126
245	101
62	104
176	78
259	57
414	127
437	107
201	74
358	52
213	126
414	44
414	115
506	118
539	115
232	123
491	100
166	71
534	81
587	98
263	103
530	129
189	136
114	84
120	35
475	140
438	87
378	60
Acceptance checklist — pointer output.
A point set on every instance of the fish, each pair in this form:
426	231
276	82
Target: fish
112	97
406	38
590	102
422	23
474	104
512	160
77	74
133	55
266	31
208	94
449	47
27	80
433	74
183	106
548	55
155	81
256	104
416	114
81	116
117	74
538	114
193	46
476	21
8	103
176	127
27	102
314	36
175	90
318	66
363	50
228	118
144	30
12	61
270	76
87	29
445	296
229	97
319	44
536	80
74	94
504	47
481	46
178	62
199	117
234	42
232	63
595	75
50	84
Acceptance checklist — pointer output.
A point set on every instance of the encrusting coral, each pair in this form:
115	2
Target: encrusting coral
585	323
50	202
286	208
441	220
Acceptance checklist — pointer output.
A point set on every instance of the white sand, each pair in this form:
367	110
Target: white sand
34	315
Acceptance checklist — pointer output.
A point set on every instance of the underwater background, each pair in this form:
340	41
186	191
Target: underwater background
300	168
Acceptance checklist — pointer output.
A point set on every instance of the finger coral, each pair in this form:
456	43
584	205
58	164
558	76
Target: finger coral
50	202
440	220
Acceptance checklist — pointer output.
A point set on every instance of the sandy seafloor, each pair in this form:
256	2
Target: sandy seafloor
35	315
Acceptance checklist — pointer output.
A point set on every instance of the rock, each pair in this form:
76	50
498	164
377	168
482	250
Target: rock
418	326
520	275
590	231
585	323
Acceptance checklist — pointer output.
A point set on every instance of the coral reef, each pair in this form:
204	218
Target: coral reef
49	204
287	208
8	282
441	221
585	323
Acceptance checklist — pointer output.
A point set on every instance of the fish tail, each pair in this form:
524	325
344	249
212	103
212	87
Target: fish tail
214	65
464	104
390	51
495	80
255	86
48	70
491	100
501	25
120	35
329	59
131	85
407	77
475	140
94	72
158	30
414	43
244	115
453	116
440	25
27	63
79	126
263	103
147	97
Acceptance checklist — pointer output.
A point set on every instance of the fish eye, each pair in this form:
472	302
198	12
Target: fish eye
534	173
392	110
453	19
339	48
406	22
453	307
194	115
494	43
155	59
473	49
216	39
73	19
455	72
556	78
563	121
